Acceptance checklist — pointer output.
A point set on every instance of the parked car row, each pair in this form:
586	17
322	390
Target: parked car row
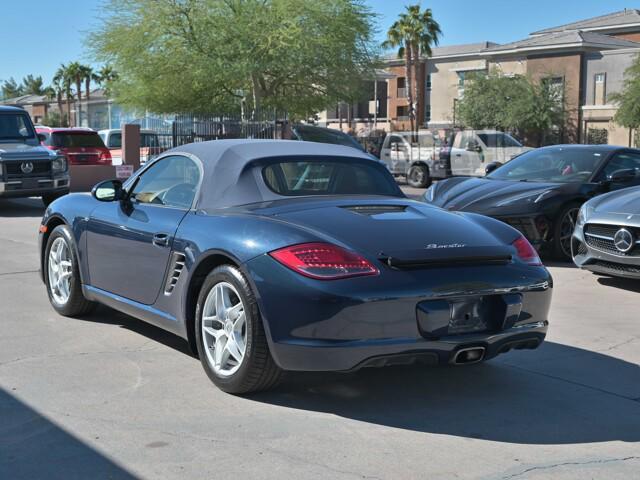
541	194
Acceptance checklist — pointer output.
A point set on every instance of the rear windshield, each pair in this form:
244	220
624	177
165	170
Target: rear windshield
147	140
15	126
300	178
70	140
498	140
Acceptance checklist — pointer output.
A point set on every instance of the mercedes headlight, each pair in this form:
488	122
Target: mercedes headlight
59	164
583	214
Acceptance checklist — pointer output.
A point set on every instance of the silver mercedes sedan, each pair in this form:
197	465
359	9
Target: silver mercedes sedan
606	239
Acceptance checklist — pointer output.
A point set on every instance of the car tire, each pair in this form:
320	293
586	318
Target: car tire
418	176
562	231
67	300
48	198
256	370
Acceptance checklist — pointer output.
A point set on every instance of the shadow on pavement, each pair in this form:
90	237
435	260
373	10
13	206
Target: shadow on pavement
492	401
108	316
23	207
621	283
557	394
32	446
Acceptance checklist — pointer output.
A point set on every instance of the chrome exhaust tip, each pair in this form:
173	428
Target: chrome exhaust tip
467	356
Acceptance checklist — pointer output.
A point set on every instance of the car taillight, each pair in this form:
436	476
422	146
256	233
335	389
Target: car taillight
105	156
323	261
526	252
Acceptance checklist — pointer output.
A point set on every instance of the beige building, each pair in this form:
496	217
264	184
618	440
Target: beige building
565	56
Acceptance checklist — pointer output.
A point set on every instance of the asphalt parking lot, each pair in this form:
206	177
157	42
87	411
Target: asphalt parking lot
111	397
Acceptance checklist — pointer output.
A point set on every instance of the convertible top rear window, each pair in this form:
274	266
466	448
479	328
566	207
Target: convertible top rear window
302	178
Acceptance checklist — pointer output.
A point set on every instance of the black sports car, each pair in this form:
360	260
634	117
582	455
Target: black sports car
541	191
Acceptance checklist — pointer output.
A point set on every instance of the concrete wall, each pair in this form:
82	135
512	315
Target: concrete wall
613	64
569	68
509	66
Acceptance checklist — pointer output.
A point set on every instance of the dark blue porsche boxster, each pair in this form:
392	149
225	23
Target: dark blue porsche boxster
274	255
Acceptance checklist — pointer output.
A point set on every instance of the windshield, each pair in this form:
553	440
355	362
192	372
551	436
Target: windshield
76	139
551	164
498	140
15	127
327	136
292	178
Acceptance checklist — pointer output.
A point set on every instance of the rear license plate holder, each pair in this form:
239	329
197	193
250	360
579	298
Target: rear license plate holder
458	316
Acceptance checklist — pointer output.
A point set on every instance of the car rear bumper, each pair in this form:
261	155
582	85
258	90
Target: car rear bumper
398	316
33	187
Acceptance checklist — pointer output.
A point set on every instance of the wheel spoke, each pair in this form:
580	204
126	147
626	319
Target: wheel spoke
238	324
218	350
221	306
233	350
234	312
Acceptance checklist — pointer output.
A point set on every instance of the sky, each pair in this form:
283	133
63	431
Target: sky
38	38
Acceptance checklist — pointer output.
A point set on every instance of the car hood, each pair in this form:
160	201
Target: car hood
22	151
625	201
492	197
405	229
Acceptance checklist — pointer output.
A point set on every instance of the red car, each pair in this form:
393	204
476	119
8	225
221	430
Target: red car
82	146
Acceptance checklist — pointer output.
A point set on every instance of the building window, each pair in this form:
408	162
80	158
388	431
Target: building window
599	89
402	87
461	76
597	136
427	113
402	112
556	87
428	81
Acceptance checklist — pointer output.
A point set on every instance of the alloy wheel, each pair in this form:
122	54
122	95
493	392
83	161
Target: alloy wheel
60	269
567	225
224	329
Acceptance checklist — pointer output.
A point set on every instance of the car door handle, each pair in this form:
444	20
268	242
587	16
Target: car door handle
161	239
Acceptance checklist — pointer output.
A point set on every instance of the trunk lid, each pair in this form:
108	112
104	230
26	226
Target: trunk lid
408	232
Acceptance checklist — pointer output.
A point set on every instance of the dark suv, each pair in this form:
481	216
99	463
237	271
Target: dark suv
26	168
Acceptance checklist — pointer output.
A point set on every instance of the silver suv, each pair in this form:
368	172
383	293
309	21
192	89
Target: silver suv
26	168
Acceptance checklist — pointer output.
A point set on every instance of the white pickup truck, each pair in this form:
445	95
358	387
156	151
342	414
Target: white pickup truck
423	157
473	150
414	156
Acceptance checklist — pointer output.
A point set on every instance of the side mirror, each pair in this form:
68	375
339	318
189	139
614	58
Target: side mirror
108	191
491	167
473	147
42	137
625	175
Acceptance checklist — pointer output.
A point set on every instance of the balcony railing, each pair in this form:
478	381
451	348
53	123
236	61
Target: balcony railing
402	93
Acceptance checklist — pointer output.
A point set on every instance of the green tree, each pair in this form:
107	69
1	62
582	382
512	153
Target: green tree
511	103
32	85
105	77
628	99
209	55
64	81
414	33
11	89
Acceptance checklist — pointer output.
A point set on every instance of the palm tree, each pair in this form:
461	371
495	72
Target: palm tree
414	33
88	75
32	85
62	79
105	76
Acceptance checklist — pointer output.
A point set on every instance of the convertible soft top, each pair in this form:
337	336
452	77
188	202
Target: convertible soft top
227	180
